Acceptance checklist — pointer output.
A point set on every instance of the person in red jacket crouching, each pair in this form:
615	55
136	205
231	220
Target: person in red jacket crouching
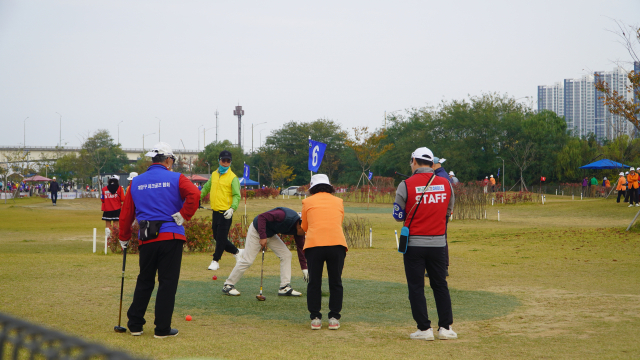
161	201
112	198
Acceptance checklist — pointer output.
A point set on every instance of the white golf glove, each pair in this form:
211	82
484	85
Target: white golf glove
177	217
124	244
228	214
305	275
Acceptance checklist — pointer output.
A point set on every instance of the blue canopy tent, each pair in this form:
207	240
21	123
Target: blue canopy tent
604	164
248	182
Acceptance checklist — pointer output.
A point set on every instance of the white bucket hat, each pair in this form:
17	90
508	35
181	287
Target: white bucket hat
621	174
491	175
318	179
451	173
632	169
161	148
132	175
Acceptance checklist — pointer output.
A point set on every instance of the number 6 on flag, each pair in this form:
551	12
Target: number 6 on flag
316	152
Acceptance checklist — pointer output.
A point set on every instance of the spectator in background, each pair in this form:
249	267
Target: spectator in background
54	187
607	184
621	187
492	181
485	184
439	170
632	187
585	184
593	183
454	179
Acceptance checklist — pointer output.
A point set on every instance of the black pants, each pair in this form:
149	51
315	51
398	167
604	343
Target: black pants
164	257
621	193
220	227
316	257
632	195
433	260
54	197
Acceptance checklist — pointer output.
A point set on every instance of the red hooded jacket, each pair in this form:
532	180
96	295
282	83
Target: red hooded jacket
111	202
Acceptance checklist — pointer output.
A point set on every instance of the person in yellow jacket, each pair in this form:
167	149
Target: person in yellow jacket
622	186
224	188
322	216
632	187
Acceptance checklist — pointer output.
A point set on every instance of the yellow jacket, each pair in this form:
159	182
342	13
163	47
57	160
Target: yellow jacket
224	189
322	216
632	181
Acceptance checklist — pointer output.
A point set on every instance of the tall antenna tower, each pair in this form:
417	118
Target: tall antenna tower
239	112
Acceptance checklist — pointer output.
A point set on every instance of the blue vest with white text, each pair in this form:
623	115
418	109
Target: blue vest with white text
156	196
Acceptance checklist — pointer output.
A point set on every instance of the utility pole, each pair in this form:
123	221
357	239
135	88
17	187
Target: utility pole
60	142
502	172
159	121
119	131
24	134
198	137
217	113
239	112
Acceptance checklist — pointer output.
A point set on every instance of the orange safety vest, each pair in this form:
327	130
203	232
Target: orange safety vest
632	181
622	184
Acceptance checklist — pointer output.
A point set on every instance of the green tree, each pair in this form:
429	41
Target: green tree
102	155
212	151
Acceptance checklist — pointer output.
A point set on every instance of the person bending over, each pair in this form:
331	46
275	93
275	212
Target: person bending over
263	232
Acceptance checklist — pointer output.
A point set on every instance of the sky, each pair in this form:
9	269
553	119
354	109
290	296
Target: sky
164	67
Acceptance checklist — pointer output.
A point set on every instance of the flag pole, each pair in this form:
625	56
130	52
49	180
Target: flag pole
310	171
245	195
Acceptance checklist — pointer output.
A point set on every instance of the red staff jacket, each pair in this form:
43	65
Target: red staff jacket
111	202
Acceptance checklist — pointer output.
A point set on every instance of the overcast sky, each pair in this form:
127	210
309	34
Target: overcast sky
101	62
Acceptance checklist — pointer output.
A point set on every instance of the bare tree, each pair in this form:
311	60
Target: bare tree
521	156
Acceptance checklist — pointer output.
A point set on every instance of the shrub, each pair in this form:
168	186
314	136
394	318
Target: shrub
199	235
356	232
114	243
238	234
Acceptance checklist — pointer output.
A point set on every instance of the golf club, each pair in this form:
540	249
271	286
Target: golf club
397	173
261	297
120	329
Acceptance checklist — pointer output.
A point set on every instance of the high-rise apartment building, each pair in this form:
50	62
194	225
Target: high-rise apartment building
583	110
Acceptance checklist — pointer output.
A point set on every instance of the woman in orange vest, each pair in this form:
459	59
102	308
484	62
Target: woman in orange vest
322	216
622	186
632	187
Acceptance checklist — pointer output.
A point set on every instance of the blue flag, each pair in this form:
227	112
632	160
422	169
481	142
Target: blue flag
498	172
246	172
316	152
370	175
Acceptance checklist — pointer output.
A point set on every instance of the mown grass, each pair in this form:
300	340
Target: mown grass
554	281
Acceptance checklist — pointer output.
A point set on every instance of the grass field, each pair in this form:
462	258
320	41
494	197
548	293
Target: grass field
555	281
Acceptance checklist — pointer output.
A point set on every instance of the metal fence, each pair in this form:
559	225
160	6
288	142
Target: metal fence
22	340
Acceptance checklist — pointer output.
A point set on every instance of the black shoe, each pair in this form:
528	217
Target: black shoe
173	332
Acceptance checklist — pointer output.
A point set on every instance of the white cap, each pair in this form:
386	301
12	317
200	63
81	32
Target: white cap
422	153
451	173
486	177
621	174
318	179
132	175
632	169
627	173
491	175
605	178
161	148
54	178
115	177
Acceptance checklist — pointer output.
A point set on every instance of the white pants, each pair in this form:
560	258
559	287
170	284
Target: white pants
252	249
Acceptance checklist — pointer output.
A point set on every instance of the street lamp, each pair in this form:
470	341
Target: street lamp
199	137
204	137
60	143
502	172
252	134
257	168
119	131
159	121
260	132
143	136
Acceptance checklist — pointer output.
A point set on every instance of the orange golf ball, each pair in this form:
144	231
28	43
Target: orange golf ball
188	318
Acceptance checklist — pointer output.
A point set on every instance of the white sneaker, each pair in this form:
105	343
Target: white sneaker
316	324
423	335
214	265
334	324
630	205
447	334
288	291
229	289
637	204
136	333
238	256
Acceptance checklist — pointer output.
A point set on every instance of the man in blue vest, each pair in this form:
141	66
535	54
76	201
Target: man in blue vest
161	201
264	231
425	211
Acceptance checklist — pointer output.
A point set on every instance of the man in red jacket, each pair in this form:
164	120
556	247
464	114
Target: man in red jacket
161	201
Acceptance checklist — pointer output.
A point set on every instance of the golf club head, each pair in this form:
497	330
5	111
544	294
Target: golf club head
261	297
119	329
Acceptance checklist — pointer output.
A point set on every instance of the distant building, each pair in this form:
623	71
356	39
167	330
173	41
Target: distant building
583	110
